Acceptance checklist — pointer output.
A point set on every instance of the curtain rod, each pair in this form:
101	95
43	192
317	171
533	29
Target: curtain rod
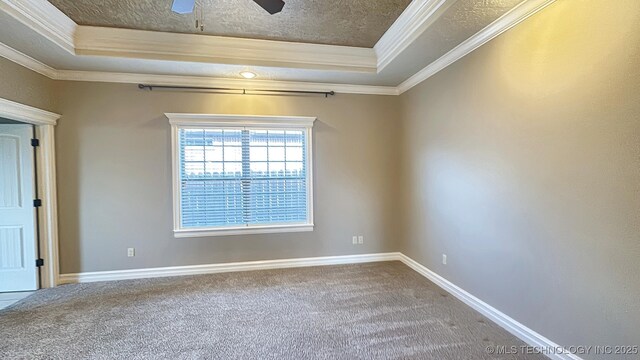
244	91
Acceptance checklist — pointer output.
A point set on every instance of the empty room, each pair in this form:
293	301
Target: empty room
306	179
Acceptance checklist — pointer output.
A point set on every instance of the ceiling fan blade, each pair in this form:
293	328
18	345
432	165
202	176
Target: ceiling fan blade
183	6
272	6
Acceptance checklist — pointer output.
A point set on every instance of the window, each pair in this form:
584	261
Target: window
241	174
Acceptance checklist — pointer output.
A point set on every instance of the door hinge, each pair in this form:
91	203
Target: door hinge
37	203
35	142
39	262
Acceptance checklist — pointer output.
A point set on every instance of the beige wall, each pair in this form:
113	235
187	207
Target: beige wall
22	85
114	177
522	164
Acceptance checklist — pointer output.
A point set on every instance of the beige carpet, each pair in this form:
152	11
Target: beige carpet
367	311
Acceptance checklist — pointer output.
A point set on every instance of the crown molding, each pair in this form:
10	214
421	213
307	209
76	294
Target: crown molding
92	40
201	81
51	23
26	61
29	114
414	20
502	24
180	80
45	19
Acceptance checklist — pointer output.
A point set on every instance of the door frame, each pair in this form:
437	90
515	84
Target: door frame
45	123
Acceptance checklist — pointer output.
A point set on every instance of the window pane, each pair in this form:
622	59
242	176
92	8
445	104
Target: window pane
214	168
213	137
258	137
276	137
294	137
194	168
233	169
193	153
213	153
193	137
217	192
276	168
295	168
232	153
294	153
259	168
233	137
258	153
276	153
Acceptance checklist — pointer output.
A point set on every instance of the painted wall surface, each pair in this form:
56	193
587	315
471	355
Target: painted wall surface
522	164
114	177
24	86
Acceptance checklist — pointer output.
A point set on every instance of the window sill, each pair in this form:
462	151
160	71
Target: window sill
245	230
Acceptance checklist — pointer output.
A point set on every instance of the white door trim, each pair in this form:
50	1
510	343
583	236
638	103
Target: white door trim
48	216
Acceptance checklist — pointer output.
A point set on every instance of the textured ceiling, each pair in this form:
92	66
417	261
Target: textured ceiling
461	20
335	22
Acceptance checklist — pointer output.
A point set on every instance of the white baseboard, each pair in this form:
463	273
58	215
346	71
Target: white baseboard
223	267
527	335
530	337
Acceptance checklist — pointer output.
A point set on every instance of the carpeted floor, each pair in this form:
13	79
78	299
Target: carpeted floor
366	311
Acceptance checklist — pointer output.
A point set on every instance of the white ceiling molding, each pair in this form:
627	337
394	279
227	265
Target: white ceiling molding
179	80
200	81
91	40
502	24
19	112
45	19
49	22
414	20
26	61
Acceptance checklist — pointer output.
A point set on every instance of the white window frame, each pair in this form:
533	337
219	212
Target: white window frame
203	121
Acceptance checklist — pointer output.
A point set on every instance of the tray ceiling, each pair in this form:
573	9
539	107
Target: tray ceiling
357	23
427	37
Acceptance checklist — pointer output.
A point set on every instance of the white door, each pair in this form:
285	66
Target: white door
18	271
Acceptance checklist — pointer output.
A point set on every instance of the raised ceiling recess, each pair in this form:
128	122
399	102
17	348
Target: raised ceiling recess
356	46
357	23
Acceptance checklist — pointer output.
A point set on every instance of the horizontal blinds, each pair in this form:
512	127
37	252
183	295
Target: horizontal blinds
241	177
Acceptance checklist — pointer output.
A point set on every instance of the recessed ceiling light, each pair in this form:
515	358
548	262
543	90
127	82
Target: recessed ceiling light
248	74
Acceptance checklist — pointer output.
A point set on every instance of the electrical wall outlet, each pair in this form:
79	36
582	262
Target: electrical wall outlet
444	259
360	239
131	252
354	240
